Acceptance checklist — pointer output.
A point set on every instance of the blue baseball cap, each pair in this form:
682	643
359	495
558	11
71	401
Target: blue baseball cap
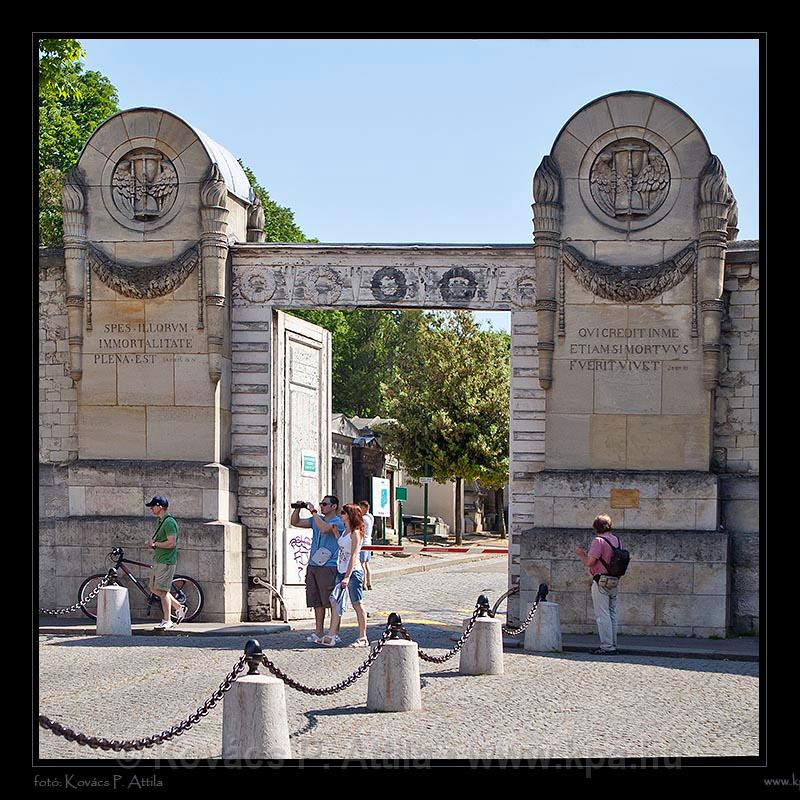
158	500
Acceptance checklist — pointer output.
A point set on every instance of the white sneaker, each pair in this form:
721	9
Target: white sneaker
180	615
165	625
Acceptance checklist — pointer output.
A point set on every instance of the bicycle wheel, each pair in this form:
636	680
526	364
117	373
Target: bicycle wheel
91	583
188	592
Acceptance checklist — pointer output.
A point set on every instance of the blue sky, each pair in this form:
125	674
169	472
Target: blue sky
434	140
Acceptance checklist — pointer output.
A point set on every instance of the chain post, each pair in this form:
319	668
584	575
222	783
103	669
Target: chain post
148	741
254	656
541	595
394	626
483	606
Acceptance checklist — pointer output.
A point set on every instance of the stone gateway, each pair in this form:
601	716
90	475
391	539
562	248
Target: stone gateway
167	366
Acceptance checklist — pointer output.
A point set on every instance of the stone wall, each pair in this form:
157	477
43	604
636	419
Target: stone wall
58	397
87	508
527	434
676	584
736	435
736	430
678	581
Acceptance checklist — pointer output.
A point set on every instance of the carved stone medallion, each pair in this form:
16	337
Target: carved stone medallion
629	179
523	290
323	286
389	285
257	284
458	285
145	184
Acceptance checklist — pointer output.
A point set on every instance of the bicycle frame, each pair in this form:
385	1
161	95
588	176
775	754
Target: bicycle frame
152	597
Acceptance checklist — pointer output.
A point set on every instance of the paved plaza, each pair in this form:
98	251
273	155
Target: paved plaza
543	707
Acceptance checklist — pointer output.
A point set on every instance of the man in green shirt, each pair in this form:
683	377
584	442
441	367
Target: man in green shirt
164	545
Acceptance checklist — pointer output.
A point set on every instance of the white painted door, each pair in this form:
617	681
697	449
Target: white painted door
302	442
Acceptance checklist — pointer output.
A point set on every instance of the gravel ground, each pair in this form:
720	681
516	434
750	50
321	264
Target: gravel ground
544	706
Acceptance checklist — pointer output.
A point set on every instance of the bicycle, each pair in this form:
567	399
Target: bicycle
185	589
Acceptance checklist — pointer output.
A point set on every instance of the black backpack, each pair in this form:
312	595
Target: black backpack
620	558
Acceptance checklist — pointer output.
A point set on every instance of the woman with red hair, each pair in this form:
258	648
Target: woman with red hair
350	575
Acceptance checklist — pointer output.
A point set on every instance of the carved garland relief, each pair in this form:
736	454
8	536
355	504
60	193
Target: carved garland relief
630	284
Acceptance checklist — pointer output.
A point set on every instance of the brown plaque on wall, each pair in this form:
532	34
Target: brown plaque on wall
624	498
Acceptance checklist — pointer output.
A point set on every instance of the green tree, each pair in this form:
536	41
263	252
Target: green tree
72	103
450	400
366	346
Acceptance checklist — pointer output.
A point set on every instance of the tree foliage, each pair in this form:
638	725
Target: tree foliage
72	103
450	400
366	346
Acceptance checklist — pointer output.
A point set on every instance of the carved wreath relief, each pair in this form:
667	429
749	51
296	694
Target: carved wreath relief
629	178
458	285
323	286
144	184
389	285
523	292
257	285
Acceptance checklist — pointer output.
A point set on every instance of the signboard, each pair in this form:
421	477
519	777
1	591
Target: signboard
426	480
400	493
624	498
308	464
380	497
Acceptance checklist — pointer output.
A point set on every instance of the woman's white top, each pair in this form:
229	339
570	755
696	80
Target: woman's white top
345	549
369	522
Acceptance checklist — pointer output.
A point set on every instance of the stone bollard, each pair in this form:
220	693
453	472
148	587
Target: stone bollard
254	721
394	678
543	635
482	653
113	612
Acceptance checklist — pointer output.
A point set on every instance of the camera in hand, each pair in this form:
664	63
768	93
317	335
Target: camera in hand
300	504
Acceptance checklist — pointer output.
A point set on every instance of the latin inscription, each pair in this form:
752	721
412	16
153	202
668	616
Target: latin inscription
141	337
642	351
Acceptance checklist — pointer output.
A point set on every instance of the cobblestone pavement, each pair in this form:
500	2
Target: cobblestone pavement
544	707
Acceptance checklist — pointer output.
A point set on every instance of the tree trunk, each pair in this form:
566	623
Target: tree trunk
459	511
498	506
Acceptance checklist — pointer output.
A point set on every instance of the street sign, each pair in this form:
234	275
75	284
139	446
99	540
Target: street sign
400	493
308	464
426	480
380	497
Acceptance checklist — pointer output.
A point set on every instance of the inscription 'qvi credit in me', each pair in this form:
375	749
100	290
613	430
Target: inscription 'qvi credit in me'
626	349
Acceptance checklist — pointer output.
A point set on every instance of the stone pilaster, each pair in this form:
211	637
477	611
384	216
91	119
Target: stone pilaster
715	202
255	221
547	211
214	250
73	197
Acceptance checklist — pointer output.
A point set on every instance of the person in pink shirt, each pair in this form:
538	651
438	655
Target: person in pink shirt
604	586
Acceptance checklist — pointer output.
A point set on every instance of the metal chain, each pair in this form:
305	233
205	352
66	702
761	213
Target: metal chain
464	636
517	631
54	612
159	738
339	686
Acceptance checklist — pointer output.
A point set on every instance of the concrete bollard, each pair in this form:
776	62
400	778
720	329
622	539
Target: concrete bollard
482	653
254	721
113	612
394	678
543	635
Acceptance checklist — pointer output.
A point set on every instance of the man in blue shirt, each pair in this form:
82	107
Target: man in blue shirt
321	571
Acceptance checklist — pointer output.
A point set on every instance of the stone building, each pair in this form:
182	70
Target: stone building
167	366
